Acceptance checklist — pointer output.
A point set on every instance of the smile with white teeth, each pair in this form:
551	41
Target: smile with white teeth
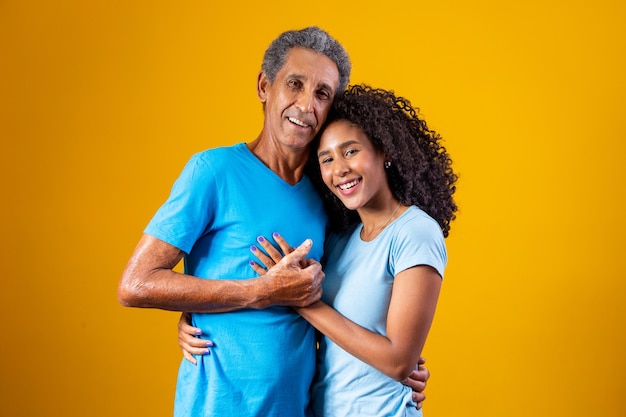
348	185
297	122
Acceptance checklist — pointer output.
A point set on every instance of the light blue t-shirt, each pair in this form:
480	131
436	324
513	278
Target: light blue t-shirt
358	284
263	360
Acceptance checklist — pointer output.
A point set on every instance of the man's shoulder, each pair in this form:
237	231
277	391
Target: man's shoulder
220	155
221	151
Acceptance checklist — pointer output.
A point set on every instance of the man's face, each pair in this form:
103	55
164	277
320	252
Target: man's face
297	103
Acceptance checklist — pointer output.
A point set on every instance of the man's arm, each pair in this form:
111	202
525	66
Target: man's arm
149	281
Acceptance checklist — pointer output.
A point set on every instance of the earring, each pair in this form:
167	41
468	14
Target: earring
387	164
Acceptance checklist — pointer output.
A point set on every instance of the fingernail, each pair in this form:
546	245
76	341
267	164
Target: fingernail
209	344
198	332
253	248
206	352
260	239
275	234
251	263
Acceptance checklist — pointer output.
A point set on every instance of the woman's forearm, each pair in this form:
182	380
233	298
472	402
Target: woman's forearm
395	360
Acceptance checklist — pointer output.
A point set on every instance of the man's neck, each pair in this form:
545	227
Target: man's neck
287	163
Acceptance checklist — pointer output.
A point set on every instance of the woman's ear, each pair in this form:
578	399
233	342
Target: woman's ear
261	86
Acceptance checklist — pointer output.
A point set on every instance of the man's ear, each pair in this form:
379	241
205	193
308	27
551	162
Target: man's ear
262	84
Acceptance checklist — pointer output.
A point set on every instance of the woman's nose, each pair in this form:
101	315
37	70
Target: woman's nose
340	168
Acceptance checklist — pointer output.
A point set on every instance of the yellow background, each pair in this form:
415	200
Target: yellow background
102	102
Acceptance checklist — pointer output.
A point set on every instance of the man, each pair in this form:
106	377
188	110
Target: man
263	360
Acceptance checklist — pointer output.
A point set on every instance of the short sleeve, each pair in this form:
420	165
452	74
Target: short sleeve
190	207
419	242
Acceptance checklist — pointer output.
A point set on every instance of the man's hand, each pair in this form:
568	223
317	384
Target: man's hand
290	280
417	381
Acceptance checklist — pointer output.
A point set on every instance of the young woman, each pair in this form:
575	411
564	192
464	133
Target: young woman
387	184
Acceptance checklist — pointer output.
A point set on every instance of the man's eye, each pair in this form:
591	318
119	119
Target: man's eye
324	95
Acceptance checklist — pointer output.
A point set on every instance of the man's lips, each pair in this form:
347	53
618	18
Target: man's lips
302	122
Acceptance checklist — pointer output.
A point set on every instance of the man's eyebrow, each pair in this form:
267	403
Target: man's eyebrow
303	77
297	76
327	87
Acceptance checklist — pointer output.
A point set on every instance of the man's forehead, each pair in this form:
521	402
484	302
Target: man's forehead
307	64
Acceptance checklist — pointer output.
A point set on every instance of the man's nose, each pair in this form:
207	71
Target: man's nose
305	102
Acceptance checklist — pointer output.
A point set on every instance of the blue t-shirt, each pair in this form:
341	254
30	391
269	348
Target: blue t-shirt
263	360
358	284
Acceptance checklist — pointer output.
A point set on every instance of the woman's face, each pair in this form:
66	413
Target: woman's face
351	167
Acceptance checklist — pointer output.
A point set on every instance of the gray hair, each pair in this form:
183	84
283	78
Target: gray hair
312	38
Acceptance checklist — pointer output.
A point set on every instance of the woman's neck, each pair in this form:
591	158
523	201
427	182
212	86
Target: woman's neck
375	221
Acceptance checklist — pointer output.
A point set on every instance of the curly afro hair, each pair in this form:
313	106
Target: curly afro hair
420	173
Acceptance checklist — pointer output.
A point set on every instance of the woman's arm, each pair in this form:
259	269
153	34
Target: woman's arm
191	345
411	311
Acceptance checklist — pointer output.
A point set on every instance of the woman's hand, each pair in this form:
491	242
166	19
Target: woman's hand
417	382
272	254
189	339
290	277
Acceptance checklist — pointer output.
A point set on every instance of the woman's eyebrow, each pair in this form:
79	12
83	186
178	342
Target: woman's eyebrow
341	146
322	153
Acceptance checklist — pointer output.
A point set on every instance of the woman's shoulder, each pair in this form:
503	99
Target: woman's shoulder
416	221
414	214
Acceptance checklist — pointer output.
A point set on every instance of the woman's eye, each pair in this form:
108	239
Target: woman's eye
325	159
